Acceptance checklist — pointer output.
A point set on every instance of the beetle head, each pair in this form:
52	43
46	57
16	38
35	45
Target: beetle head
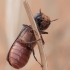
42	20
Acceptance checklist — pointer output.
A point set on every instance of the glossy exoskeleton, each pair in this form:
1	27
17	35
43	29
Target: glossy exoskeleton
22	47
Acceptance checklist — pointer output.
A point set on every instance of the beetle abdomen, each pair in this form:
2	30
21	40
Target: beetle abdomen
19	55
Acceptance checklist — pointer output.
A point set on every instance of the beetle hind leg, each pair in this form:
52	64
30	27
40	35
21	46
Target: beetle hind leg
36	58
31	48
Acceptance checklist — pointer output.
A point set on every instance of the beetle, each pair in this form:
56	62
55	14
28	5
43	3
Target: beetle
22	47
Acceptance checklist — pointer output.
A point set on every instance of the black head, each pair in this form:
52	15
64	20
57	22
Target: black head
42	20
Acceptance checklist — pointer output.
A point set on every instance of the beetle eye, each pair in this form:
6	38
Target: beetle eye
38	18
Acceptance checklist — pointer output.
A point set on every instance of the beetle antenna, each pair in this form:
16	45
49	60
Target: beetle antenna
54	20
40	11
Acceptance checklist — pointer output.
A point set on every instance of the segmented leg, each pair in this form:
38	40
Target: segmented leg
36	58
21	41
31	48
44	32
41	32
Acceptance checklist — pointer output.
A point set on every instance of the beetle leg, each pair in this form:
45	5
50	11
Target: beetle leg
42	40
41	35
41	32
36	58
24	25
36	34
31	48
21	41
34	31
44	32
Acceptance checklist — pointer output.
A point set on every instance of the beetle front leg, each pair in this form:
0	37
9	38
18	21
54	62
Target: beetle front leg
42	40
44	32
